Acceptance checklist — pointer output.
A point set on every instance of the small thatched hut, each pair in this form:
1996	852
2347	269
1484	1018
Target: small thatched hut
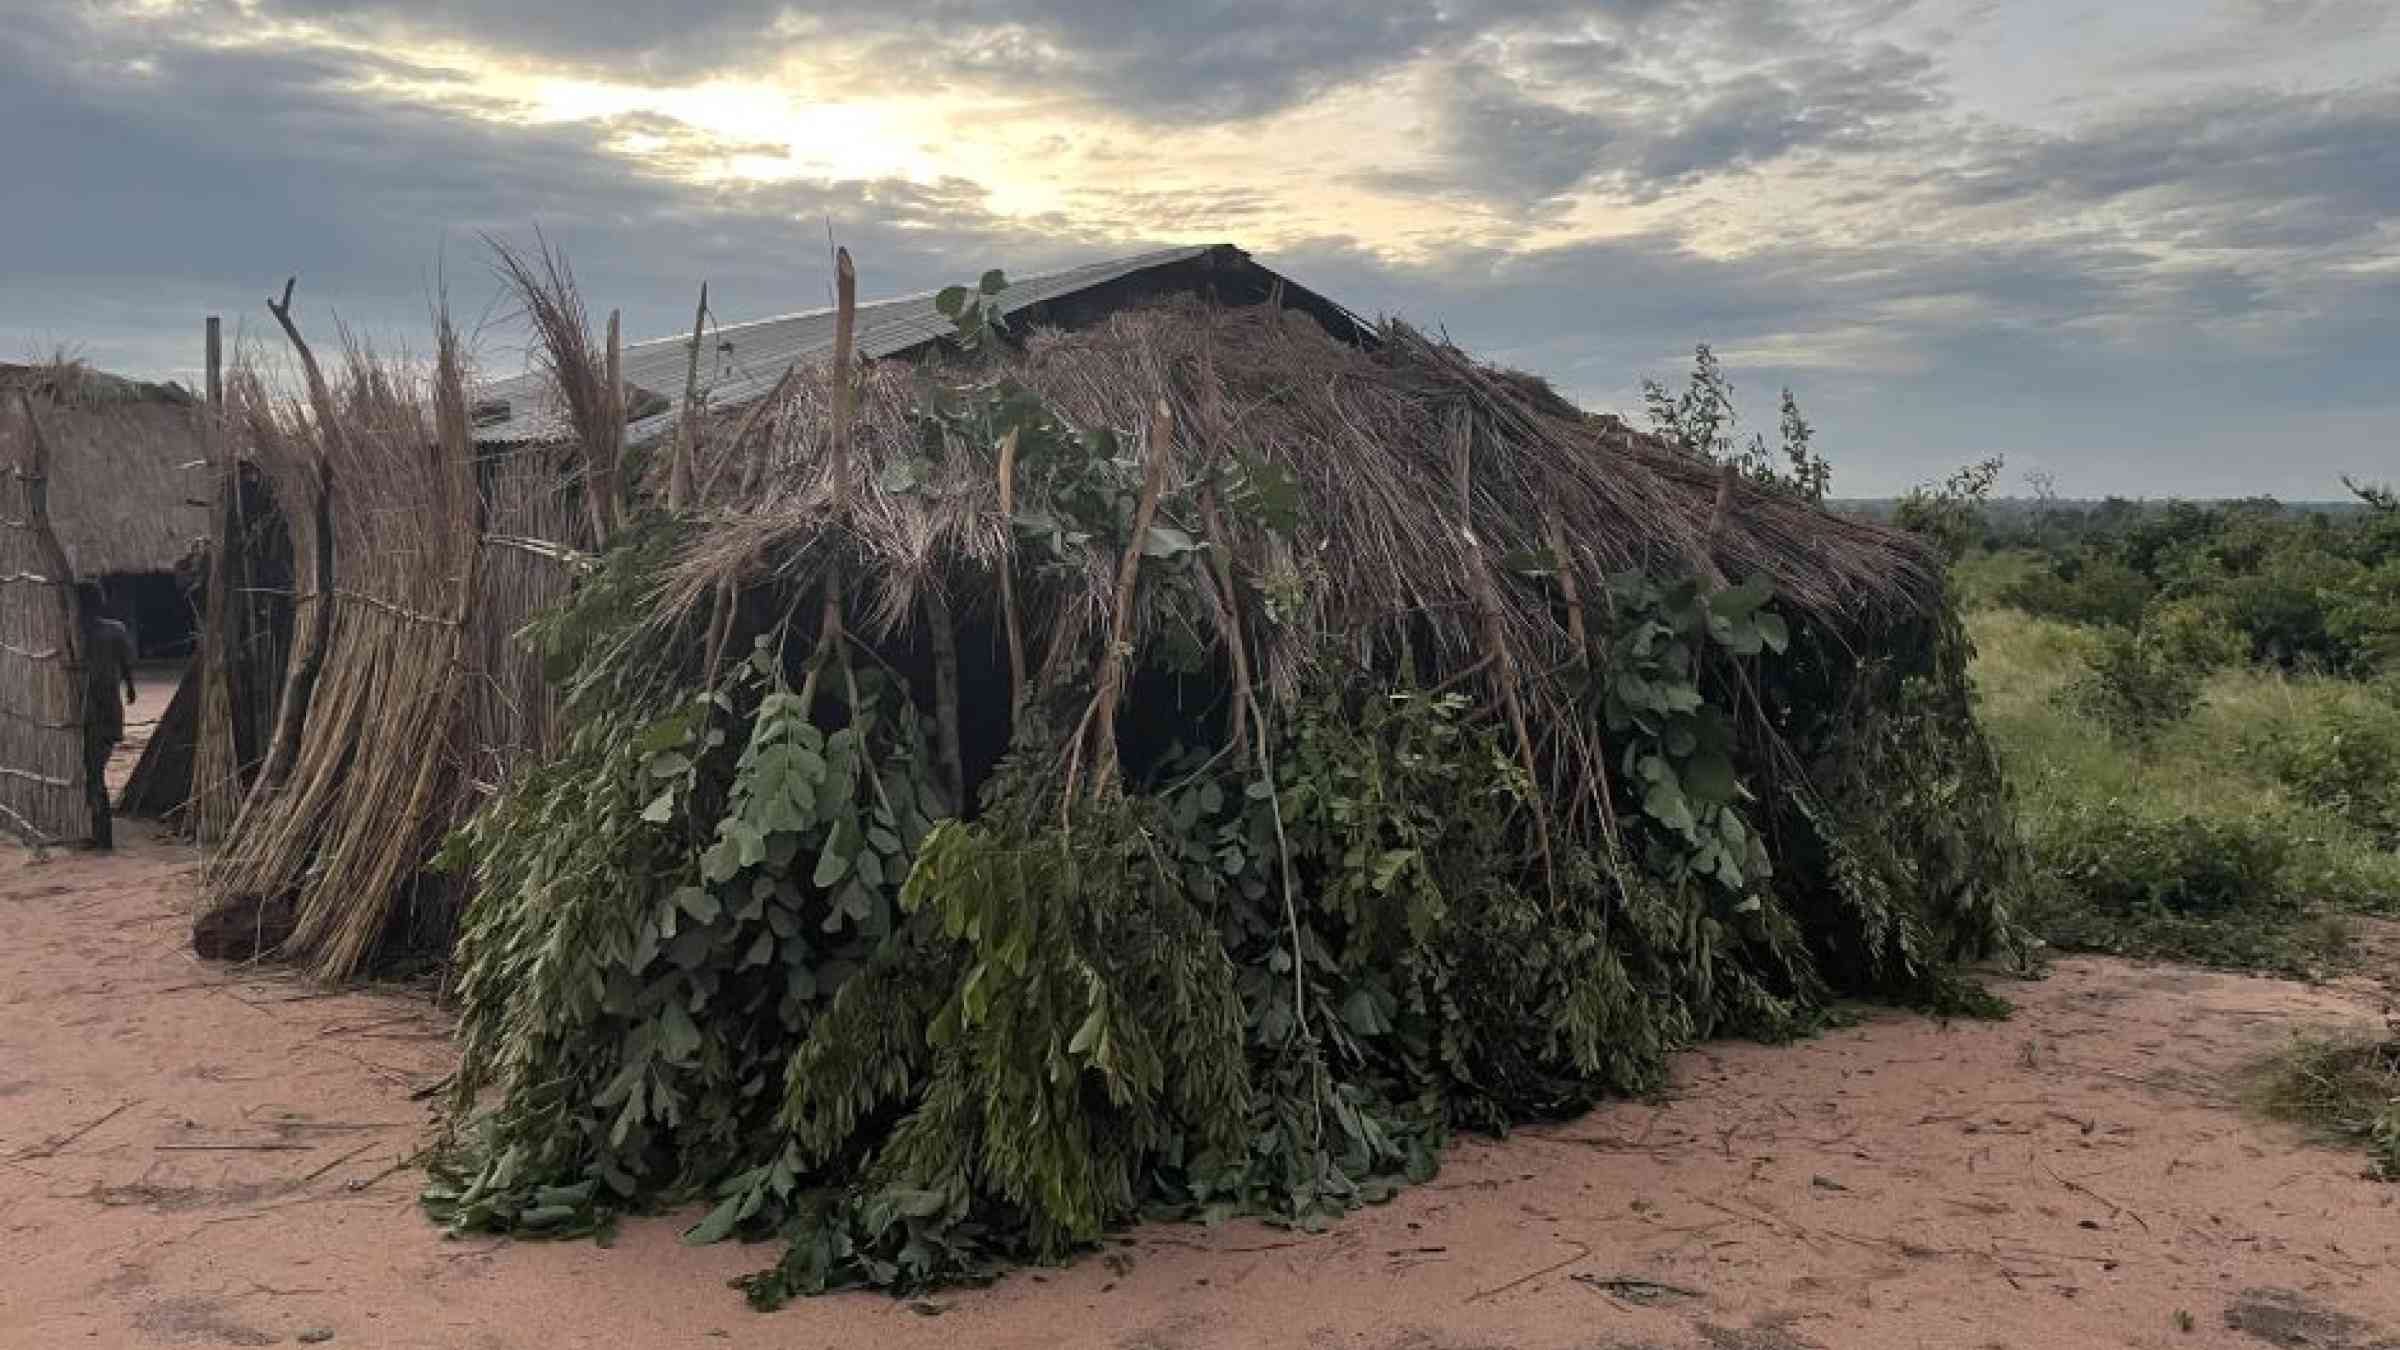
1141	738
129	488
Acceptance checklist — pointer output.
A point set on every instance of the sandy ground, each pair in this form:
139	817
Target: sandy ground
193	1155
153	688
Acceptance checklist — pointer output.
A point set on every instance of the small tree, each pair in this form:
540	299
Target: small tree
1951	514
1701	421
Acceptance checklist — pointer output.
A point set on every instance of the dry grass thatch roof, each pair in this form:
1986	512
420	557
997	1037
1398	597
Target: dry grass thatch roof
127	486
1373	436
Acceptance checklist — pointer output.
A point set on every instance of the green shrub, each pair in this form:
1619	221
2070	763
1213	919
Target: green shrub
2194	633
2136	687
2124	861
2346	758
2189	887
2096	590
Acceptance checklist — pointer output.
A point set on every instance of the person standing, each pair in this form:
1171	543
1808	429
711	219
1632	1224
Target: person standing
107	663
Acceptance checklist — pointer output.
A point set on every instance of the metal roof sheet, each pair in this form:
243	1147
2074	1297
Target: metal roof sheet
747	358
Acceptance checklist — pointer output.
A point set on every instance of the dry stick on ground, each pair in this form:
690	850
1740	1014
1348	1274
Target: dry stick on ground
1120	637
322	1170
687	433
51	1148
1634	1286
300	685
234	1148
2114	1208
1583	1251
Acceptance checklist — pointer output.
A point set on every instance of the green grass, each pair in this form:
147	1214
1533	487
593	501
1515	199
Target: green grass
2202	843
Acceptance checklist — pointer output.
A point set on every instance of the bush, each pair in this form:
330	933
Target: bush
2188	887
2096	590
2194	633
2342	755
2124	862
2136	687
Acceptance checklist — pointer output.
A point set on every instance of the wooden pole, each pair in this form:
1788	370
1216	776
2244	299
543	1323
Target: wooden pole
615	450
687	437
283	748
1008	590
1120	640
216	786
845	330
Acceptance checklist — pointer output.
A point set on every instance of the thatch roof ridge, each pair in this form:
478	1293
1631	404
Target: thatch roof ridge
128	475
1369	435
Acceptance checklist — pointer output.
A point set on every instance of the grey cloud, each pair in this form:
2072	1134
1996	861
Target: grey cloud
2118	370
1162	59
2237	169
140	199
1636	132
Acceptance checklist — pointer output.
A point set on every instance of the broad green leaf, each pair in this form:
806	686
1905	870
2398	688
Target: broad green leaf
1736	602
701	904
1709	778
1363	1013
1772	631
832	864
678	1035
716	1226
1088	1034
661	808
951	301
1665	803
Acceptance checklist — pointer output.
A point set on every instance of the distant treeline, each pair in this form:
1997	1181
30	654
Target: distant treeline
2105	511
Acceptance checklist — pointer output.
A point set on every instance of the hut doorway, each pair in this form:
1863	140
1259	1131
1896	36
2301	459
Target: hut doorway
159	610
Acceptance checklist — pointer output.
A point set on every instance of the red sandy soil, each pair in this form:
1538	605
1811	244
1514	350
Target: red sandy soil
200	1155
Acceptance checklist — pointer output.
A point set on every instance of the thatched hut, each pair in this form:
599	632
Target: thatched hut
129	489
132	487
1014	758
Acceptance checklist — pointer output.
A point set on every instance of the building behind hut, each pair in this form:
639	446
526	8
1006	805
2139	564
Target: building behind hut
129	489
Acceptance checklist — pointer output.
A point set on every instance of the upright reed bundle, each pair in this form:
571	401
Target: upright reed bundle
373	770
41	671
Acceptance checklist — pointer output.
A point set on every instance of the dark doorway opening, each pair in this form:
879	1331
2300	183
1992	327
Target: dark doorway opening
159	612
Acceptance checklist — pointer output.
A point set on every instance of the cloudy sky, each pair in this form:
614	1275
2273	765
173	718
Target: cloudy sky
2147	246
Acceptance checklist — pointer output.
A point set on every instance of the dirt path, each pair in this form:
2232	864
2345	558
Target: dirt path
199	1156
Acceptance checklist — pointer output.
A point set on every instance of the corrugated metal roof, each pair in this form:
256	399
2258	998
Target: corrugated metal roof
744	360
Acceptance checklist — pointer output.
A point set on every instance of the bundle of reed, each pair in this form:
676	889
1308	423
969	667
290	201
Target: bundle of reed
534	525
375	703
41	696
